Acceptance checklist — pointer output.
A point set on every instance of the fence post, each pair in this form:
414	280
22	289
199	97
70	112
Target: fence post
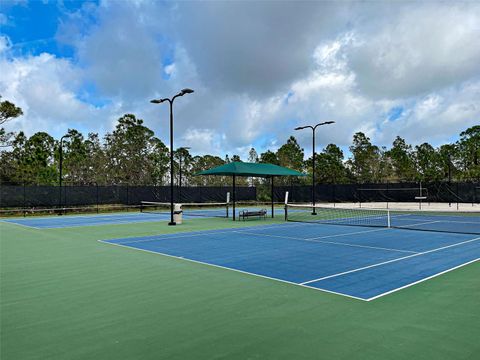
359	196
457	194
334	194
97	195
24	200
127	197
64	199
60	198
388	194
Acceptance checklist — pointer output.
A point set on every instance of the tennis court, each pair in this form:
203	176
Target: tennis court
149	214
359	262
268	287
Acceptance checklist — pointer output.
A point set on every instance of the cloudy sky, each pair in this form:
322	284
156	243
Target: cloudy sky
258	69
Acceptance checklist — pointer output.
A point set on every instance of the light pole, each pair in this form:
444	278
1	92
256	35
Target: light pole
180	150
159	101
313	166
61	168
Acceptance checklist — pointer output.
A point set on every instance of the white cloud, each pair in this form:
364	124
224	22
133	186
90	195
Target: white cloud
437	117
254	47
4	44
423	48
203	141
45	88
259	69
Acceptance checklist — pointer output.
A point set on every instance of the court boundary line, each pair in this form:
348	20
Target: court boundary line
232	269
421	280
440	221
13	220
305	284
182	234
117	222
114	222
236	230
317	240
389	261
83	225
73	216
25	226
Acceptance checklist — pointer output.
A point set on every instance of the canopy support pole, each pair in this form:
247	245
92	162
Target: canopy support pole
271	183
233	196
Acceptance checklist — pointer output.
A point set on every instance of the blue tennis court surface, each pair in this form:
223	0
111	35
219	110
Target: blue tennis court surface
53	222
363	263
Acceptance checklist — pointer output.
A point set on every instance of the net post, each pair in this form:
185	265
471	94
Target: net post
228	203
273	207
389	221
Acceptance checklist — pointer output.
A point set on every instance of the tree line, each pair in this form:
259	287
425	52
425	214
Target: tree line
132	154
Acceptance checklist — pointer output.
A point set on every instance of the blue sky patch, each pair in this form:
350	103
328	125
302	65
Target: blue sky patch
32	27
395	113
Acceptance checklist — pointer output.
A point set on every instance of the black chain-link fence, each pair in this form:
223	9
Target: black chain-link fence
46	196
29	196
385	192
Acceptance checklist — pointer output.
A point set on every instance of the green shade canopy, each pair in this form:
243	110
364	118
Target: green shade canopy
250	169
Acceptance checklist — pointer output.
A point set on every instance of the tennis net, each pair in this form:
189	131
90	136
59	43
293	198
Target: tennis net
438	221
188	209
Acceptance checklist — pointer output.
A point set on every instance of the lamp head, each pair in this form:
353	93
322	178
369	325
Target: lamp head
300	128
186	91
157	101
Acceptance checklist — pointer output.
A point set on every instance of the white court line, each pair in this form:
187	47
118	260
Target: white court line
388	262
104	219
183	234
22	225
50	217
422	280
123	222
231	269
303	284
239	230
444	221
316	240
416	224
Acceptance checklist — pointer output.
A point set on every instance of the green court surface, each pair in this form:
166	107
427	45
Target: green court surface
64	295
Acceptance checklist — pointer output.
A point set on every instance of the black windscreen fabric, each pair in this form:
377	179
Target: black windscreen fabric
384	192
41	196
12	196
46	196
32	196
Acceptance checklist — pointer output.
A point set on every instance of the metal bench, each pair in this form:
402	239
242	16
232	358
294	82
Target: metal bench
244	214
